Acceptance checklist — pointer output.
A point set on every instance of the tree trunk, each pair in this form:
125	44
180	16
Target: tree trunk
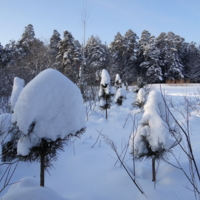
106	109
153	169
42	165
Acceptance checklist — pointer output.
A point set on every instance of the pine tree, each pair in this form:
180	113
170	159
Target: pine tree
131	44
143	42
69	57
96	58
118	51
54	40
170	46
192	62
151	64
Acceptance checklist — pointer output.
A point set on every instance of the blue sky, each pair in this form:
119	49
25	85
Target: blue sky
107	17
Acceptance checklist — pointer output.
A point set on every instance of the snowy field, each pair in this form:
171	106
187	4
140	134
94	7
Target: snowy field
89	168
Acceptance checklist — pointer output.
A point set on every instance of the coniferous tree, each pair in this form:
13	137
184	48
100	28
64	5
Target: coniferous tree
192	62
170	47
151	64
117	49
154	140
34	142
96	58
105	91
143	42
131	45
53	46
118	82
69	57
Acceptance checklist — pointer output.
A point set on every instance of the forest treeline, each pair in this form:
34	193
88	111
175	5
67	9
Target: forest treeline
167	57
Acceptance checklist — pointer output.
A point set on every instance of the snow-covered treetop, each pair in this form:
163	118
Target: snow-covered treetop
18	85
53	104
105	78
28	34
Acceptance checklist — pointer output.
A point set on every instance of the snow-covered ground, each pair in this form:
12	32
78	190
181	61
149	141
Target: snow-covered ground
89	168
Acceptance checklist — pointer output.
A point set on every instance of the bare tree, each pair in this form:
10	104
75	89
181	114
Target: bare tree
186	147
85	15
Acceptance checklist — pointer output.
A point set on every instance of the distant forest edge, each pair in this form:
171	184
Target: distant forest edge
166	58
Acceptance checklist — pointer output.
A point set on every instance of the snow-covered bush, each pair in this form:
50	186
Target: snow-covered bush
140	84
157	132
141	98
48	112
18	85
105	91
120	96
118	82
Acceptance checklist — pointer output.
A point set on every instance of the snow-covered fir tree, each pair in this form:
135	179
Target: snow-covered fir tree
141	98
117	50
151	64
192	62
49	111
118	82
170	47
143	41
105	91
131	44
69	57
154	140
96	58
120	96
53	46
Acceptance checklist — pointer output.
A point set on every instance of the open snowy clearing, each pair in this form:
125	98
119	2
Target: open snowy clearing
89	168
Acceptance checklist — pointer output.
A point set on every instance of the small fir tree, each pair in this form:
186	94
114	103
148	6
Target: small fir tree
156	134
48	112
120	96
118	82
105	91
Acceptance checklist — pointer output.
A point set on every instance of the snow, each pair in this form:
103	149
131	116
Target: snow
105	78
88	169
28	189
18	85
53	103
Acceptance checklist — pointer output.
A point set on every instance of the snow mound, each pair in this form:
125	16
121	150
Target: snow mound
28	189
53	104
117	78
